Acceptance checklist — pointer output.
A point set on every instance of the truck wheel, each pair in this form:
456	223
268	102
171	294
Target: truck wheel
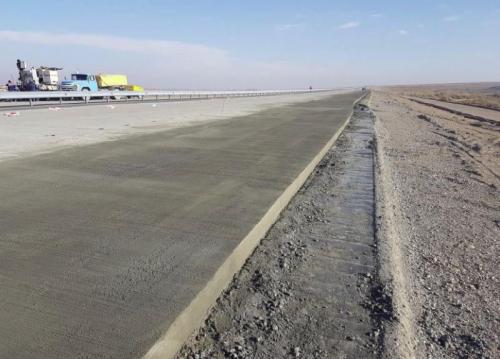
116	97
86	98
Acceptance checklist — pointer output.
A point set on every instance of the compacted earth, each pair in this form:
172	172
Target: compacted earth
390	250
438	176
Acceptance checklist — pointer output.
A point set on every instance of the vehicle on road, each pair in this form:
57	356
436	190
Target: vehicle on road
89	82
80	82
41	78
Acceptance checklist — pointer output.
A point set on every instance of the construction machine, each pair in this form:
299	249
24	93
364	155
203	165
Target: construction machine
41	78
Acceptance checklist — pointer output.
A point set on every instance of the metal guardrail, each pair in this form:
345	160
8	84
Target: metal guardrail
34	98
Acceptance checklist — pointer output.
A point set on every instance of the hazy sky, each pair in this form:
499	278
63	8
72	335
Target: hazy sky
227	44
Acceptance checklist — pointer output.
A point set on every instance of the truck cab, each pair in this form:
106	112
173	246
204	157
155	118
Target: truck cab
80	82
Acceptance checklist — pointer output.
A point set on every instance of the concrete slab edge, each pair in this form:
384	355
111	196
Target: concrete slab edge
195	313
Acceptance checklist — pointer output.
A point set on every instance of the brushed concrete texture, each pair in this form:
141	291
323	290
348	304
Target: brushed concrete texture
102	246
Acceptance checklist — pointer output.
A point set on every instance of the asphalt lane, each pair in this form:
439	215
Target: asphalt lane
102	246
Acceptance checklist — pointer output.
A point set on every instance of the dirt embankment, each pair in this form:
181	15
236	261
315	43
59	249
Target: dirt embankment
439	173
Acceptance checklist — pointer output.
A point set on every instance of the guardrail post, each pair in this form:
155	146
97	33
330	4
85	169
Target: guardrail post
31	102
60	100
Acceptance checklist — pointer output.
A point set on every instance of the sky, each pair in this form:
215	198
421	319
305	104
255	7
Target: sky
258	44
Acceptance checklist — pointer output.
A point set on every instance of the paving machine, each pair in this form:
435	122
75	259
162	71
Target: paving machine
42	78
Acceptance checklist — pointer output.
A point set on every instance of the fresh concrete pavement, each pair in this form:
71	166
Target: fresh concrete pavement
103	246
27	131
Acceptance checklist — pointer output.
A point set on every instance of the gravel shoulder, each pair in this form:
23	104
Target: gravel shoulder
438	173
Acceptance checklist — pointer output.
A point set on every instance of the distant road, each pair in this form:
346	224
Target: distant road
492	115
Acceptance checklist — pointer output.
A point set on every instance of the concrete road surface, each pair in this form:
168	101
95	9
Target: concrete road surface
103	246
27	131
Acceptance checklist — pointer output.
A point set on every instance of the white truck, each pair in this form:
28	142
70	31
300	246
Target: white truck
42	78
